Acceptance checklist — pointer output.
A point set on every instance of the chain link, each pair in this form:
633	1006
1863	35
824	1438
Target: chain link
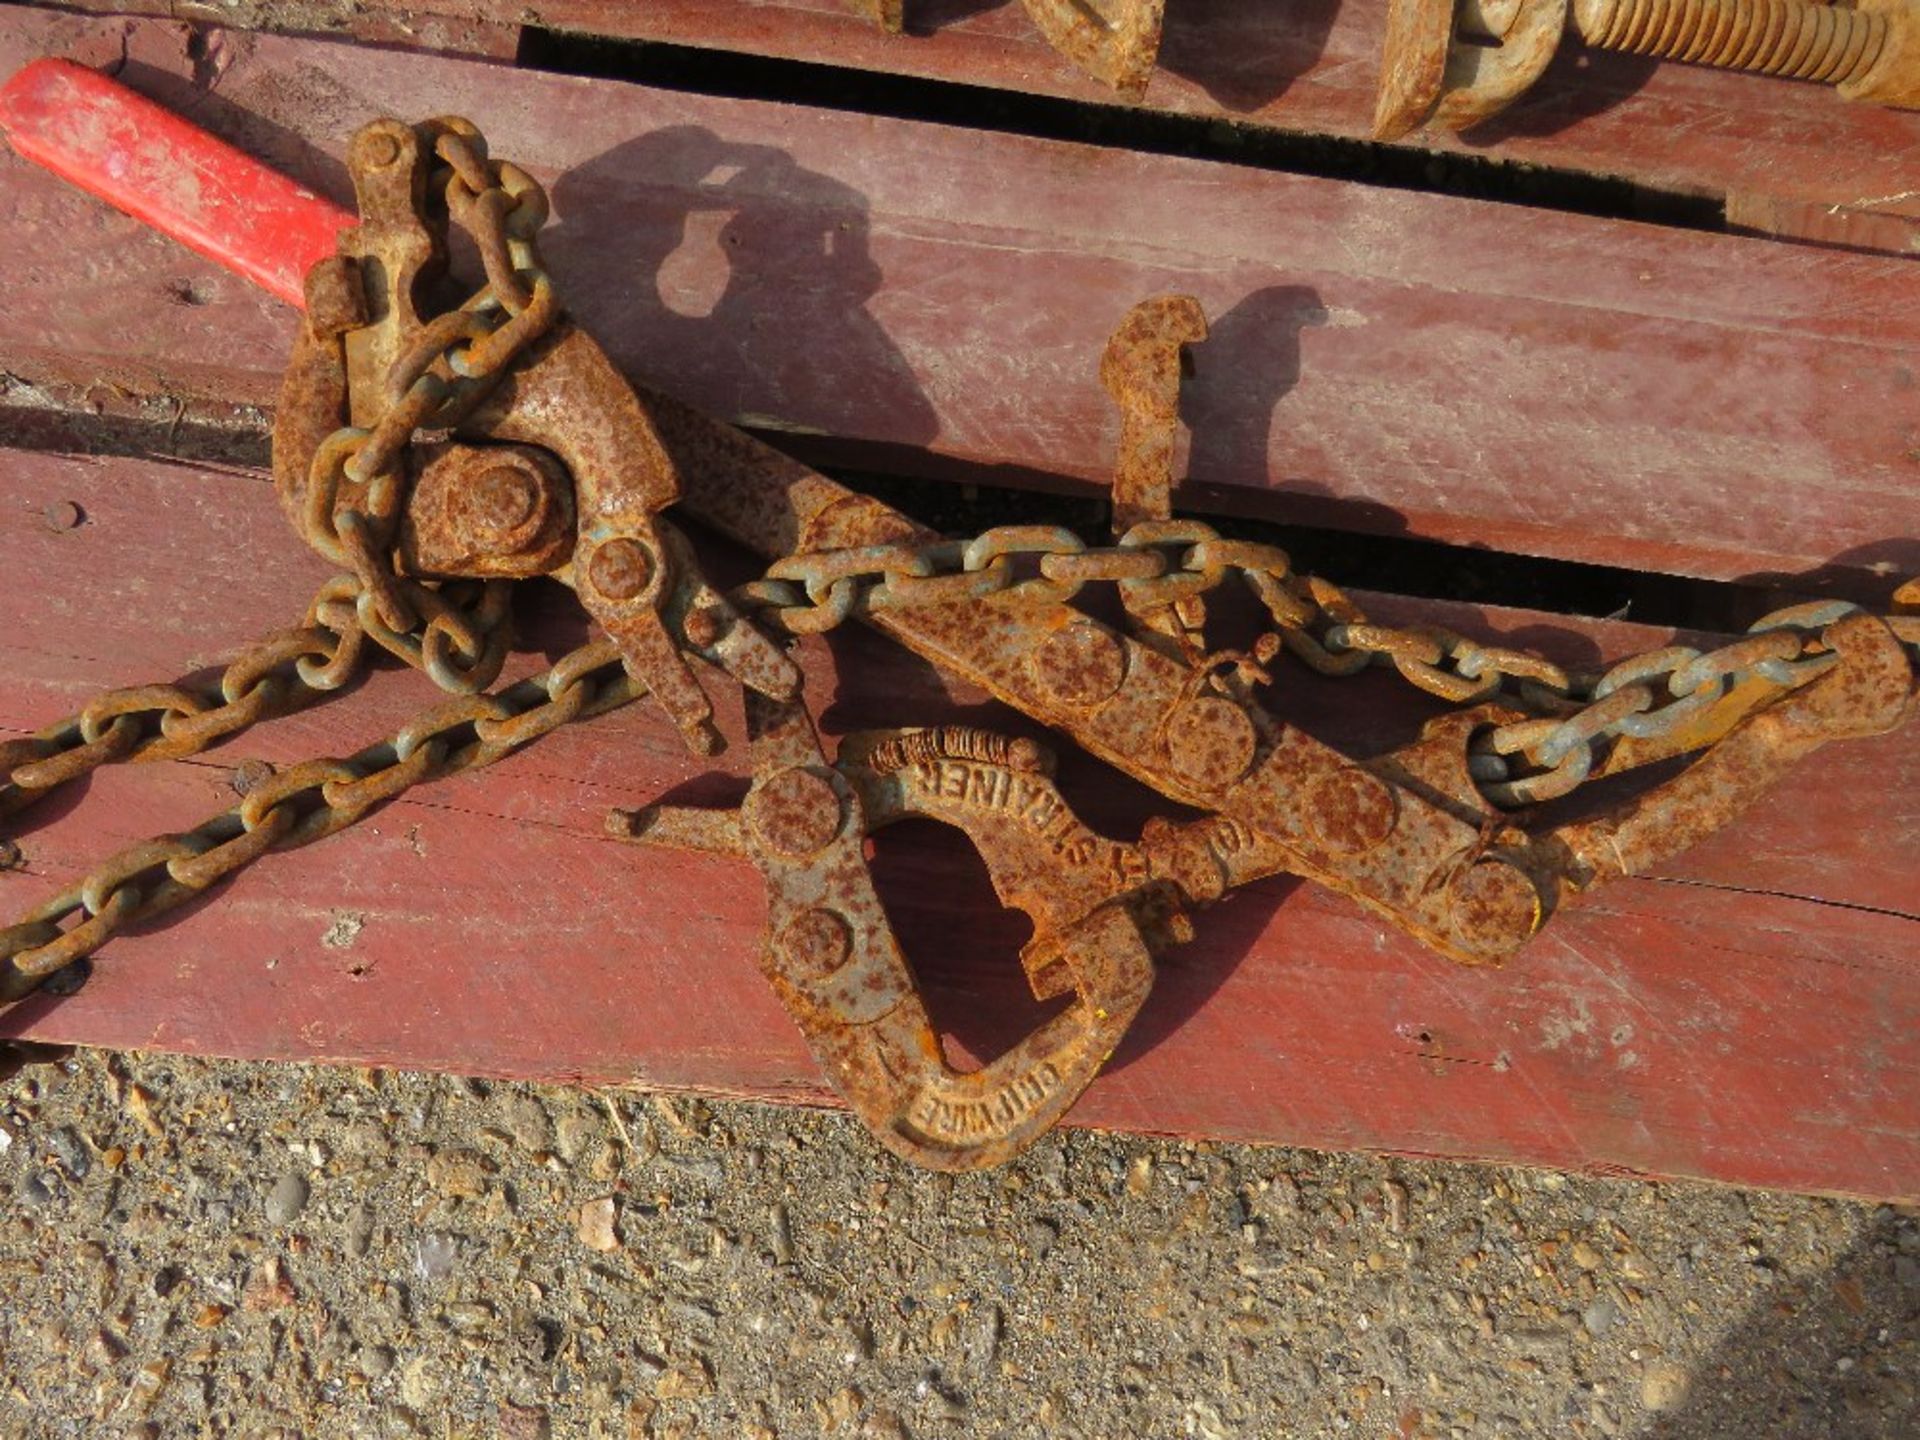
1162	563
458	632
462	645
1651	696
280	674
356	481
305	803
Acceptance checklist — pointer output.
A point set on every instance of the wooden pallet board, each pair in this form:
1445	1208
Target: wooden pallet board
1784	158
1313	68
1753	1015
927	300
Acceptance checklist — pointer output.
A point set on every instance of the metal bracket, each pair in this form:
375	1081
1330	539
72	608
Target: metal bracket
556	468
832	957
1114	41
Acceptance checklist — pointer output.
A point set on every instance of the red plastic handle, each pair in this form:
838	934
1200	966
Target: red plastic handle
160	169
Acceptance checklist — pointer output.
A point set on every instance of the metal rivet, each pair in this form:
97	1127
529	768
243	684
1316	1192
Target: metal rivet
379	149
815	943
1080	664
1494	904
621	568
704	627
794	813
1351	810
1211	741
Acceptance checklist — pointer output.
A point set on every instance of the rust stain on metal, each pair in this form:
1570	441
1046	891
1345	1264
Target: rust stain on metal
1352	809
546	462
1079	664
1411	835
1454	63
1868	691
1114	41
552	455
492	511
832	957
1141	371
1496	900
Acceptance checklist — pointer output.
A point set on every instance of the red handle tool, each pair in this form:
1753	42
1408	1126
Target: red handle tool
168	173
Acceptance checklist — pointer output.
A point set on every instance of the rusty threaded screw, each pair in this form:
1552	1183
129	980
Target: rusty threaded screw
1794	38
1859	49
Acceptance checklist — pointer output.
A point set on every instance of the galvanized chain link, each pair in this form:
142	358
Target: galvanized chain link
463	633
1165	562
357	480
304	803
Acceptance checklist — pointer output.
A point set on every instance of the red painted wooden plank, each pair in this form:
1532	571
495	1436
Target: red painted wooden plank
1313	67
1804	162
1676	1026
934	301
1309	67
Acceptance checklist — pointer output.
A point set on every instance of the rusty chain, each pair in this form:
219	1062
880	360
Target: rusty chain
357	489
286	671
1166	562
304	803
457	632
357	482
1158	562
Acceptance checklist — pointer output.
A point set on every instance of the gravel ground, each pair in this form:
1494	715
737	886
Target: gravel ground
223	1249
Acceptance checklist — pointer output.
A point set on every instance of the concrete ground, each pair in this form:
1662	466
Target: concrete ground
219	1249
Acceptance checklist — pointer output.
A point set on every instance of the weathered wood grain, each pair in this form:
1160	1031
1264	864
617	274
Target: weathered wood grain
928	300
1796	160
1753	1015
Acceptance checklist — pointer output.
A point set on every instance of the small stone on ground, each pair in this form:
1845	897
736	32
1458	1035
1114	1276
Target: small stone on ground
229	1250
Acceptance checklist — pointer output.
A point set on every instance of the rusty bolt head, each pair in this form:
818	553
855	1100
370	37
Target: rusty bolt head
704	626
1494	904
622	568
794	813
62	515
814	944
379	149
68	979
250	775
336	299
1210	741
503	499
1351	810
1026	756
1080	664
